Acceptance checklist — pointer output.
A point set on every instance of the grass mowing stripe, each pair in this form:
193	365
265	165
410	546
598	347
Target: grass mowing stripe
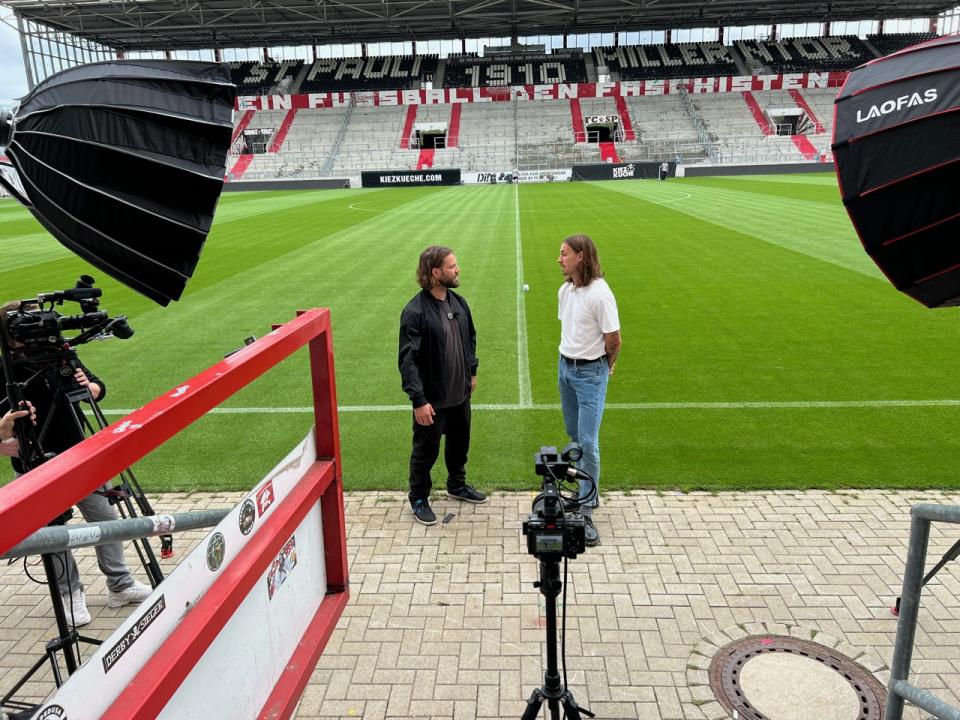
747	405
523	362
791	223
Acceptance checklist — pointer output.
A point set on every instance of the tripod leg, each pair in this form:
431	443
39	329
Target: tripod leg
533	705
129	488
571	710
554	705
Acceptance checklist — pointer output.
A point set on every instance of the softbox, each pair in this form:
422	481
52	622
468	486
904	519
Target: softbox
123	162
896	143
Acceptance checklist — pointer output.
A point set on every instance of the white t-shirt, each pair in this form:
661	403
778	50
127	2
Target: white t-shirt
586	313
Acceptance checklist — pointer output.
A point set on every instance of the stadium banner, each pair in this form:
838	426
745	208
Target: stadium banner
561	91
622	171
524	176
407	178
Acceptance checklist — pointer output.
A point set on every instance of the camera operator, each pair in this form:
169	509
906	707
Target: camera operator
61	433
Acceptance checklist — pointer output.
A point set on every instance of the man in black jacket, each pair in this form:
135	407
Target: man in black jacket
438	366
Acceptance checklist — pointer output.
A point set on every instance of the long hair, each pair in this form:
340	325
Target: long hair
589	268
431	258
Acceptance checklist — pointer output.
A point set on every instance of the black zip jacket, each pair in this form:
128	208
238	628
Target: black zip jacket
421	360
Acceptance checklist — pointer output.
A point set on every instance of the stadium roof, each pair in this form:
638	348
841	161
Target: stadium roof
188	24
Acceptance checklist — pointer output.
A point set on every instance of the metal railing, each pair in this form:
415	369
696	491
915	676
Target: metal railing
335	148
899	688
703	135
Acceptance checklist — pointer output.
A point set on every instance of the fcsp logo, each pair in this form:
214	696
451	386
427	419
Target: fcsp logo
895	105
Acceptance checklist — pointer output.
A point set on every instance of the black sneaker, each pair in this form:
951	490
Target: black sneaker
590	535
467	494
422	512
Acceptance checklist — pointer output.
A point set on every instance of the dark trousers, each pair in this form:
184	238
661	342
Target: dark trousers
454	422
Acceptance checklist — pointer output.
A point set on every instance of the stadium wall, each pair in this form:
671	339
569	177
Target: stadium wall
255	185
708	170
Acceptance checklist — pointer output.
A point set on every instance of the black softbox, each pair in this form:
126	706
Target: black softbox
123	162
896	143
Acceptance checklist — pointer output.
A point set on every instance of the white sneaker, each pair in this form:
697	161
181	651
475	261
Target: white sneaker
76	602
135	594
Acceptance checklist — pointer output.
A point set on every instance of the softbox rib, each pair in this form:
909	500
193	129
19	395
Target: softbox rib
145	155
130	108
107	194
127	279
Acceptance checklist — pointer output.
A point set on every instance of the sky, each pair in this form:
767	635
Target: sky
13	79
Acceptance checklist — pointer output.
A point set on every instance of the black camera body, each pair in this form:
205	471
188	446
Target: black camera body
39	328
554	528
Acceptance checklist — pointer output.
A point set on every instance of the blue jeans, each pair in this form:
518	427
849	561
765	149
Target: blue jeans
583	390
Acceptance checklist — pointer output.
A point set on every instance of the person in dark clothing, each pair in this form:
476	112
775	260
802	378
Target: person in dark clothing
59	433
438	367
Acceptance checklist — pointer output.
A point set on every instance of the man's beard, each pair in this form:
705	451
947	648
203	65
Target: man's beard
450	282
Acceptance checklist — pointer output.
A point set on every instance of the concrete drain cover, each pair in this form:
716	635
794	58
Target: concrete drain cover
789	678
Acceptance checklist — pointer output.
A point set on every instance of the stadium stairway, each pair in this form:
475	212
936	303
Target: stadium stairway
453	129
408	122
576	115
625	122
757	113
242	124
608	152
281	134
425	161
805	147
802	103
239	167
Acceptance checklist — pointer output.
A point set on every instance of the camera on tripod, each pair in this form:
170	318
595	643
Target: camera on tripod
39	328
554	528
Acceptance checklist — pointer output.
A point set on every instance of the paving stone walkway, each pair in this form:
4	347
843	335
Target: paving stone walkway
444	621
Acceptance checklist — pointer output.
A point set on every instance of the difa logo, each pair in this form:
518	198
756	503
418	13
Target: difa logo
901	102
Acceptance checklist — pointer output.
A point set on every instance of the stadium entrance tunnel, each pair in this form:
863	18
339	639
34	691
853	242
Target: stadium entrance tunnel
757	675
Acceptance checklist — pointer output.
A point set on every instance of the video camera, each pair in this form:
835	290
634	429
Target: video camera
554	528
39	328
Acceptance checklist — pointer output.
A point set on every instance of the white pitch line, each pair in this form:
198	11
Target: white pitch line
523	361
759	405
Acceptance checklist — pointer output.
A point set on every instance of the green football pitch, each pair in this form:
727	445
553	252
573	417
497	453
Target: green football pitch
762	348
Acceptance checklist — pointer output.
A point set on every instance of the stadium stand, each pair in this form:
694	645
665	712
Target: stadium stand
741	137
371	73
309	140
647	62
895	42
260	78
664	130
521	69
806	54
488	136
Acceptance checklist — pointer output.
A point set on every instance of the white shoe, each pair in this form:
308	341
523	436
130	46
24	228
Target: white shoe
135	594
77	603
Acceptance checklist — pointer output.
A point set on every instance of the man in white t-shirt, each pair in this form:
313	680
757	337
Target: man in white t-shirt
589	346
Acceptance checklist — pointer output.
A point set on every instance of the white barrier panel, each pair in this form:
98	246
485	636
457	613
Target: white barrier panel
235	676
525	176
